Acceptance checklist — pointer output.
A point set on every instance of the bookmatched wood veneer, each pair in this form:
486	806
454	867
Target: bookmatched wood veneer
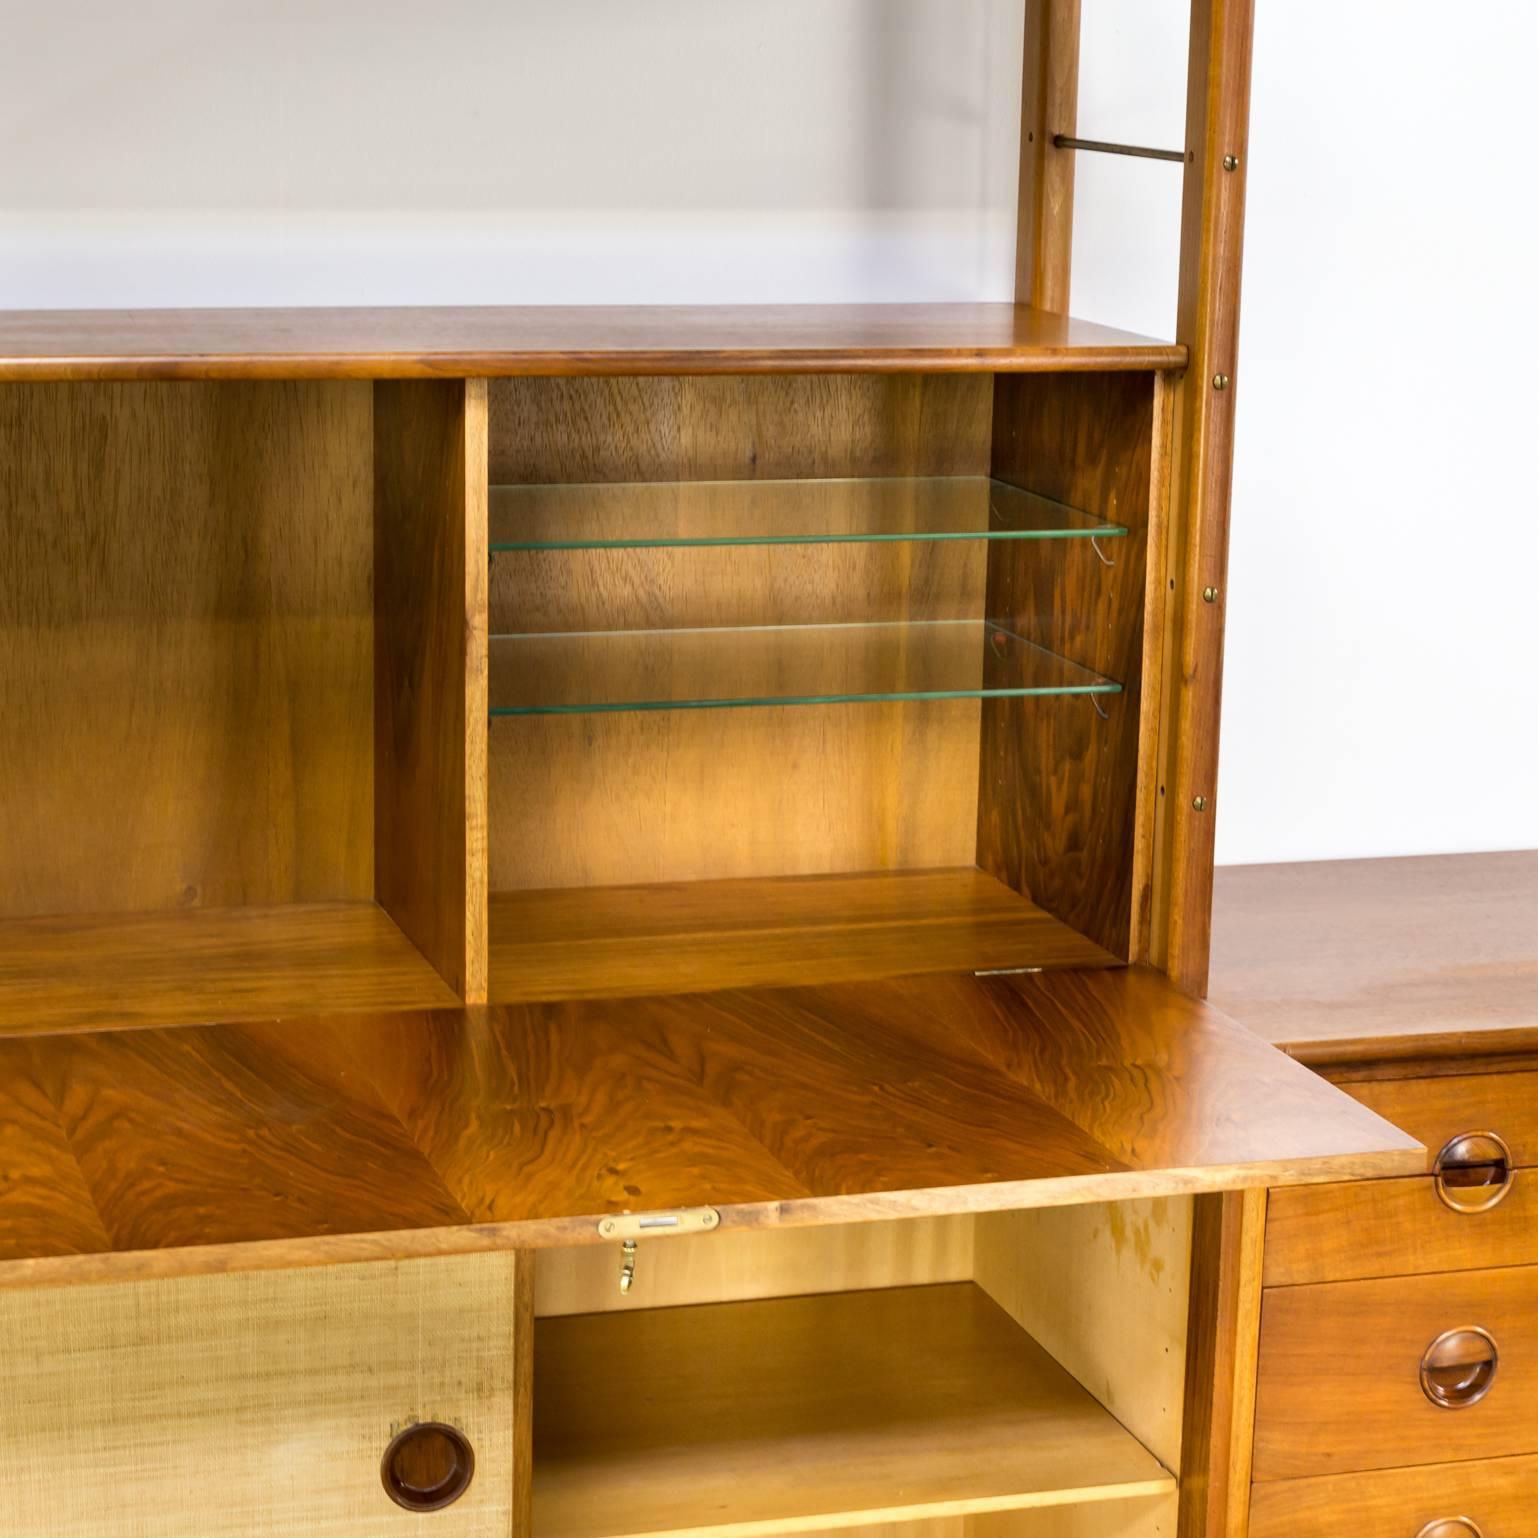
389	1134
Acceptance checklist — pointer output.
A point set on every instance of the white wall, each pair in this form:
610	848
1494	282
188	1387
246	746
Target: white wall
1382	683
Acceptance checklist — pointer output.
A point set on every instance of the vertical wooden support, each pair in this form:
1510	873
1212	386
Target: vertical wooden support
1222	1340
1049	104
430	664
1212	229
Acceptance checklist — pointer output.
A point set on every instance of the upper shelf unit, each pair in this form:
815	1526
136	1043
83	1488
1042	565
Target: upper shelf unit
469	342
661	515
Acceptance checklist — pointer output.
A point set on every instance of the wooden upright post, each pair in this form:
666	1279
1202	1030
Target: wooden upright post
1049	104
1212	232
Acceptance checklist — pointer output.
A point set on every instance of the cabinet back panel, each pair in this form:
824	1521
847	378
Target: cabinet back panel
739	427
186	633
696	795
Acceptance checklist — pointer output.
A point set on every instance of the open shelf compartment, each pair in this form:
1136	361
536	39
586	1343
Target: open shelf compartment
810	1413
868	510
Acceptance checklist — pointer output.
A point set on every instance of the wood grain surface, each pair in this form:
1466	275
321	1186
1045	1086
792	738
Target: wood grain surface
684	937
226	1407
1393	1228
780	1107
1339	1386
1201	478
738	427
226	964
1049	105
1436	1110
1497	1493
1351	959
186	638
1062	788
435	342
801	1414
430	669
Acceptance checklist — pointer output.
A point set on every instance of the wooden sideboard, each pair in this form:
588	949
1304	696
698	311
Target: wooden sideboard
1397	1372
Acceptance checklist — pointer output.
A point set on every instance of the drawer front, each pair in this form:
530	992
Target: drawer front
1340	1388
1499	1497
1373	1228
1436	1111
259	1403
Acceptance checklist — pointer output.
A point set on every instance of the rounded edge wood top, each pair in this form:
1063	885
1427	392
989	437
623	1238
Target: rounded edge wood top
1346	961
422	342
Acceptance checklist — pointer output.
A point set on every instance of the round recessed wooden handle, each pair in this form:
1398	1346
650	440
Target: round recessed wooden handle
1474	1172
1459	1367
427	1466
1451	1527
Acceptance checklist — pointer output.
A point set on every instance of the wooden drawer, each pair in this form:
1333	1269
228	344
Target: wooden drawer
1339	1233
1339	1383
1435	1111
1500	1496
259	1403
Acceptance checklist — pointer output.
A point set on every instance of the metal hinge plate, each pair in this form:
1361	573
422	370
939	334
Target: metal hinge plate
658	1225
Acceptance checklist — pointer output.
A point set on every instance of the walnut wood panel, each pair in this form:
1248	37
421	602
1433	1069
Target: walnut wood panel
223	1407
430	662
745	428
1435	1111
590	942
227	964
1061	796
185	660
1393	1228
1227	1241
425	343
1495	1493
739	1264
45	1206
684	796
1342	960
885	1405
1049	104
781	1107
680	796
1339	1385
1207	321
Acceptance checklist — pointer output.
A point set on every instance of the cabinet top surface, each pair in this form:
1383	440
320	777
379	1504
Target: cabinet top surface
141	1152
1361	959
460	342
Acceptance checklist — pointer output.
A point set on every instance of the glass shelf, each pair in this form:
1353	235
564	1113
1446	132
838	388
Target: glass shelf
639	516
592	672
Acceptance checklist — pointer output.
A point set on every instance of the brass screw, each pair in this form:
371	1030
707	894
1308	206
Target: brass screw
1209	595
1230	162
1198	803
1220	381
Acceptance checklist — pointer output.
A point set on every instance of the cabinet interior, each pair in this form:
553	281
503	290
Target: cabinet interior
1006	1373
814	677
403	694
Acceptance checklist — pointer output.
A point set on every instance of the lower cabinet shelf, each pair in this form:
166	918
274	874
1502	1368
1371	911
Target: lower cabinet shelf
810	1413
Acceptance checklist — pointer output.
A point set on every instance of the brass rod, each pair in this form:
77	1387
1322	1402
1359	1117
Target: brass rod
1067	142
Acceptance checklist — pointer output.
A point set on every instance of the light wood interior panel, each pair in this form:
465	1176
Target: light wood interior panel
1106	1290
743	1263
1067	797
811	1413
185	646
1154	1516
230	1406
695	795
430	670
